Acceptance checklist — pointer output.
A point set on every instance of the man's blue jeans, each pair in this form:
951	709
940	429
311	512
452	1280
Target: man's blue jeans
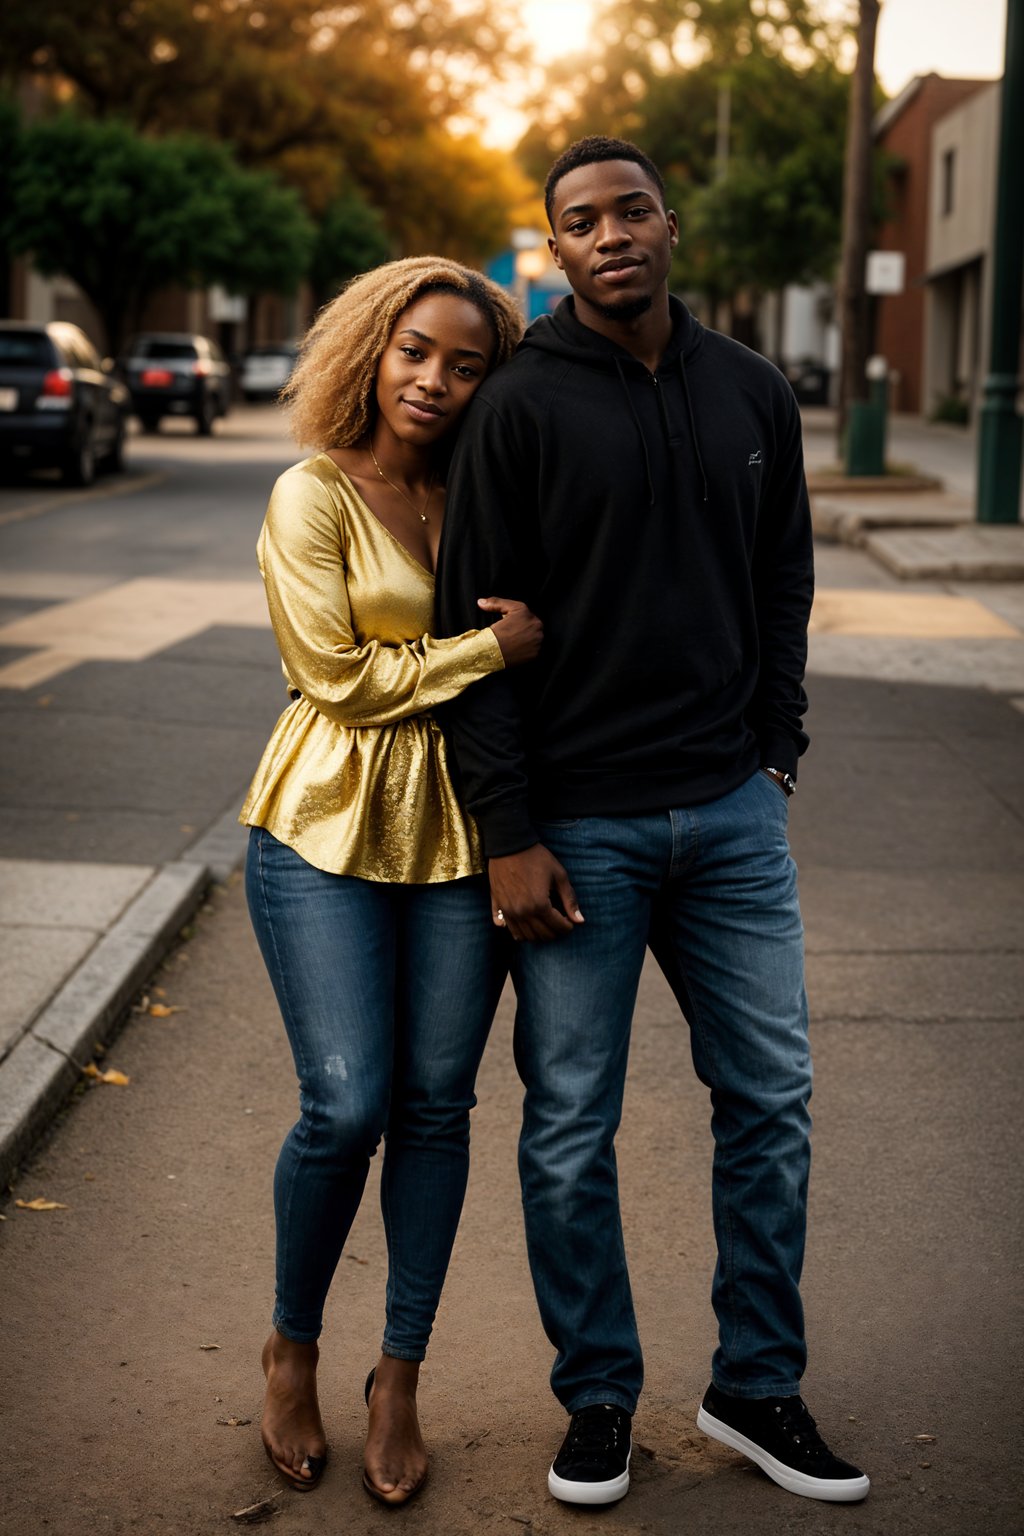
713	888
387	994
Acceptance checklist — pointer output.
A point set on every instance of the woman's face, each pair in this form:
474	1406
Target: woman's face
435	359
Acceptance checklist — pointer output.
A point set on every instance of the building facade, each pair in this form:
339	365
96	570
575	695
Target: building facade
904	132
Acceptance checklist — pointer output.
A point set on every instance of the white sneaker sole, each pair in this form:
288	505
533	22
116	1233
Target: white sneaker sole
589	1493
838	1490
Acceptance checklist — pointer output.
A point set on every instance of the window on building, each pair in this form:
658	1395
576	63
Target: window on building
948	181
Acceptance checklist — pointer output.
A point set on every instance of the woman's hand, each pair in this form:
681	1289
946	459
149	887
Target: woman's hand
519	632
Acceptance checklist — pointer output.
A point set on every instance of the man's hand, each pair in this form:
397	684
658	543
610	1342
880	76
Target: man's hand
527	891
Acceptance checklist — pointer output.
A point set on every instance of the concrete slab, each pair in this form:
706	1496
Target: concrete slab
903	614
34	962
850	517
970	663
980	552
41	1068
60	895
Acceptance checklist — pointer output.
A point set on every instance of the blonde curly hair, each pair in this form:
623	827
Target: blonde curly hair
331	390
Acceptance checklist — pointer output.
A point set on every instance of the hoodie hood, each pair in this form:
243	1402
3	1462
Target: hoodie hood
564	336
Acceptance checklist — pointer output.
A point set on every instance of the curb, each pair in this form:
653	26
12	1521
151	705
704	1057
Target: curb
41	1070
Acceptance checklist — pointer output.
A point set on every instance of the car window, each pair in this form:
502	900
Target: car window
30	349
158	346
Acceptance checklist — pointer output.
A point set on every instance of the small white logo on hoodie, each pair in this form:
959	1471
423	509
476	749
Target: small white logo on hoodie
755	457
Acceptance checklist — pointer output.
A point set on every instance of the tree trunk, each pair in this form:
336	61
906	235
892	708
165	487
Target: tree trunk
853	309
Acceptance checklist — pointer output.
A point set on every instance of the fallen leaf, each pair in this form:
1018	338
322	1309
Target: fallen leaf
112	1076
209	1346
924	1439
3	1218
924	1464
355	1259
234	1423
39	1204
255	1514
90	1178
159	991
162	1011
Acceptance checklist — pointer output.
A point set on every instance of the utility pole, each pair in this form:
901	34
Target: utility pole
1000	427
853	301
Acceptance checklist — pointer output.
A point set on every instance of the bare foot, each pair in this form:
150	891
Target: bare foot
292	1428
395	1458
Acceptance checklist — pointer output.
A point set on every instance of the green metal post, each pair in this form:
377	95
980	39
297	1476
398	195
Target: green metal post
1000	434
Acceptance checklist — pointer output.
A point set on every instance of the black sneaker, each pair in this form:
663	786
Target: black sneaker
592	1466
779	1434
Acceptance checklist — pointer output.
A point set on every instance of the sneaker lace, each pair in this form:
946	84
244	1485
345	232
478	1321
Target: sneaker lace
593	1431
800	1428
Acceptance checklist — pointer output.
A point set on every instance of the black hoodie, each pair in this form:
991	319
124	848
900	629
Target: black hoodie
659	525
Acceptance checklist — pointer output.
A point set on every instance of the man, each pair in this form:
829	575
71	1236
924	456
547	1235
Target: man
638	480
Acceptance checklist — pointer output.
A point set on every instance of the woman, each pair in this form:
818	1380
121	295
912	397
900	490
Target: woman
364	876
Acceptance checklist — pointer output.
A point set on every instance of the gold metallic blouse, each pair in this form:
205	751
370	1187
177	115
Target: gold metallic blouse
355	775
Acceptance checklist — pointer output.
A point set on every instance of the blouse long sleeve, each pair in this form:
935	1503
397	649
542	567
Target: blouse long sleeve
353	680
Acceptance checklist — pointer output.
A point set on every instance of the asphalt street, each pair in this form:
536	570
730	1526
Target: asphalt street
131	1315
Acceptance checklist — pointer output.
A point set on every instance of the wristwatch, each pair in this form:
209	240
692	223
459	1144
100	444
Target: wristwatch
784	780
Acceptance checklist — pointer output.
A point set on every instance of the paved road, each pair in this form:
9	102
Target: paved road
909	832
127	754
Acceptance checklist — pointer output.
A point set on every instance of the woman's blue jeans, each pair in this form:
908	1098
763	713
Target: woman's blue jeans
713	889
387	994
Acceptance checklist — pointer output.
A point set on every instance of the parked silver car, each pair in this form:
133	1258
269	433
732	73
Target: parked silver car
267	369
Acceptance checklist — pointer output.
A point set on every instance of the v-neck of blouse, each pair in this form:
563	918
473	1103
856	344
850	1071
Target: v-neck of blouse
429	574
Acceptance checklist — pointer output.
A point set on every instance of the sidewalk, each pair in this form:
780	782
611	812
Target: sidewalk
77	942
916	532
132	1318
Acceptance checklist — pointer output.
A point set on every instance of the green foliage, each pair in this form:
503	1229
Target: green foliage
350	239
125	216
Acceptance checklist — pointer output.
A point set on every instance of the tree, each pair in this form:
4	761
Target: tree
295	86
350	239
125	216
10	131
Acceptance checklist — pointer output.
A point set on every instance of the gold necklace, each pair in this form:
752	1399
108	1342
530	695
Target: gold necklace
430	488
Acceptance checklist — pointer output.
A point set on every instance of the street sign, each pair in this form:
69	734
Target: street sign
886	271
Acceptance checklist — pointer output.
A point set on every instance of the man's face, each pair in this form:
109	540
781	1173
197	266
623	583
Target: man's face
613	238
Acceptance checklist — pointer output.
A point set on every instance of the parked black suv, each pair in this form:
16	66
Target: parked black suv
171	374
60	406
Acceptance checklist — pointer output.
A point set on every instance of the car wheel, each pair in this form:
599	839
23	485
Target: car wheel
79	468
205	416
148	422
113	461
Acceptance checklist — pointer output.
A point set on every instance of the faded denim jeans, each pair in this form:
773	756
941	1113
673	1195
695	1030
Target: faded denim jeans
387	994
713	888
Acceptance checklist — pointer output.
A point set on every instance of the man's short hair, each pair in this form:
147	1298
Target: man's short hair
590	150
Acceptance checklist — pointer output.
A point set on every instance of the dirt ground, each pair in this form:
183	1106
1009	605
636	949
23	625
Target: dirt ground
131	1322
